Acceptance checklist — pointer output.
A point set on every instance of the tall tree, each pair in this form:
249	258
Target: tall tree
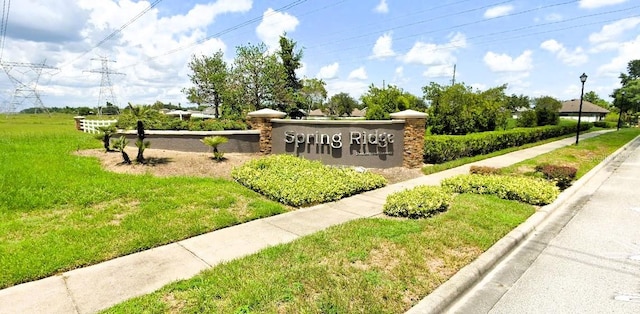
340	104
209	77
458	109
250	75
291	60
515	102
381	102
593	98
547	110
627	97
313	93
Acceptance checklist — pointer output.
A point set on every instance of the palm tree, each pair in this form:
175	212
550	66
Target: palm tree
119	145
214	141
106	133
140	112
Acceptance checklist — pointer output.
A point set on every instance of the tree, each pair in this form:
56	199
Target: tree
140	112
340	104
313	93
627	97
291	61
214	141
387	100
547	110
257	77
515	102
593	98
458	109
209	77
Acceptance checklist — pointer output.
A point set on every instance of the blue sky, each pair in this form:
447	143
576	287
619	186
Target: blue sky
536	47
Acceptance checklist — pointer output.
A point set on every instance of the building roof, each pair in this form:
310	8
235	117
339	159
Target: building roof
573	105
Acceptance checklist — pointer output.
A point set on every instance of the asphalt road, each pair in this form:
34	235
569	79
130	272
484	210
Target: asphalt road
584	258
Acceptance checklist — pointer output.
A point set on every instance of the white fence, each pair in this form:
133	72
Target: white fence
91	126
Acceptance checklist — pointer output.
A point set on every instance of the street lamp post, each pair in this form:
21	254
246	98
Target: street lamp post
583	78
620	109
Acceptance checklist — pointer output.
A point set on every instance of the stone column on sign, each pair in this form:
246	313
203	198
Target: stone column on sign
78	120
414	129
261	120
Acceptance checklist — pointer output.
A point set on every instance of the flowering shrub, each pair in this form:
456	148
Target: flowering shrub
300	182
419	202
535	191
562	176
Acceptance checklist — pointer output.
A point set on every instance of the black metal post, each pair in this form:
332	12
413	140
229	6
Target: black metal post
583	79
620	110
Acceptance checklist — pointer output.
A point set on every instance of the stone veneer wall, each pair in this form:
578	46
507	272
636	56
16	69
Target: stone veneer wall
413	155
261	120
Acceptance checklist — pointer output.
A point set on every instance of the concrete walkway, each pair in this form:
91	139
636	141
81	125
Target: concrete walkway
93	288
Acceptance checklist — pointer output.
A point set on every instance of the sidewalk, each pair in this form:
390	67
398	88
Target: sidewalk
93	288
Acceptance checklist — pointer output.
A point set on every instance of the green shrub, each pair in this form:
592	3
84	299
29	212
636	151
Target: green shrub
420	202
527	119
484	170
443	148
562	176
605	124
300	182
534	191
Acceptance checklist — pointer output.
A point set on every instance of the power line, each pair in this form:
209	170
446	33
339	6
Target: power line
6	5
106	86
222	32
114	33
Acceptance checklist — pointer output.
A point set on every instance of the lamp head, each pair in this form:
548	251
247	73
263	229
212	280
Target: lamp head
583	78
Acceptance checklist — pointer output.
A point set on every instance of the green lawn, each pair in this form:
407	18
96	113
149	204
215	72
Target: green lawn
59	211
373	265
586	155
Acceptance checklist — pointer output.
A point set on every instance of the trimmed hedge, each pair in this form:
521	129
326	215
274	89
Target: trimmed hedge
158	121
419	202
534	191
300	182
443	148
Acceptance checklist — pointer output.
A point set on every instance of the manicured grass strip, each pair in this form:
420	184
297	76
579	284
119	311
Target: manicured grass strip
59	211
588	154
368	265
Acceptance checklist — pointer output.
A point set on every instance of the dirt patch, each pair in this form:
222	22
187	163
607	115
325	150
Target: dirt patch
165	163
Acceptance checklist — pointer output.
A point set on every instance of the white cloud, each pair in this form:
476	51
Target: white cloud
593	4
354	88
498	11
505	63
434	54
573	58
273	25
358	74
442	70
382	7
627	51
329	71
611	32
382	49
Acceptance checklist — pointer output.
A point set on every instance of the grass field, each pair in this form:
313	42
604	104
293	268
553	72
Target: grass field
59	211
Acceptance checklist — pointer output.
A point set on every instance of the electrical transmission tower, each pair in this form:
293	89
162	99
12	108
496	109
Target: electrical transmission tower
25	77
106	87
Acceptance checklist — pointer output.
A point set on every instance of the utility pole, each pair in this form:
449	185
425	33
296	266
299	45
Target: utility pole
106	87
25	77
453	81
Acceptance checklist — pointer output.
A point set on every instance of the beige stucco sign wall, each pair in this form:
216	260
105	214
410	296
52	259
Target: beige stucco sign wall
371	144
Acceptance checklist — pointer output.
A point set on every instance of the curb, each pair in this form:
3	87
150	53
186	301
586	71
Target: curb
448	292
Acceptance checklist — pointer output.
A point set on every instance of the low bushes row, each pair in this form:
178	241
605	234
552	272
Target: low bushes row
534	191
300	182
605	124
159	121
443	148
420	202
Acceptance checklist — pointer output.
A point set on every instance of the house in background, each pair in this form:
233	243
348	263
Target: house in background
590	112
